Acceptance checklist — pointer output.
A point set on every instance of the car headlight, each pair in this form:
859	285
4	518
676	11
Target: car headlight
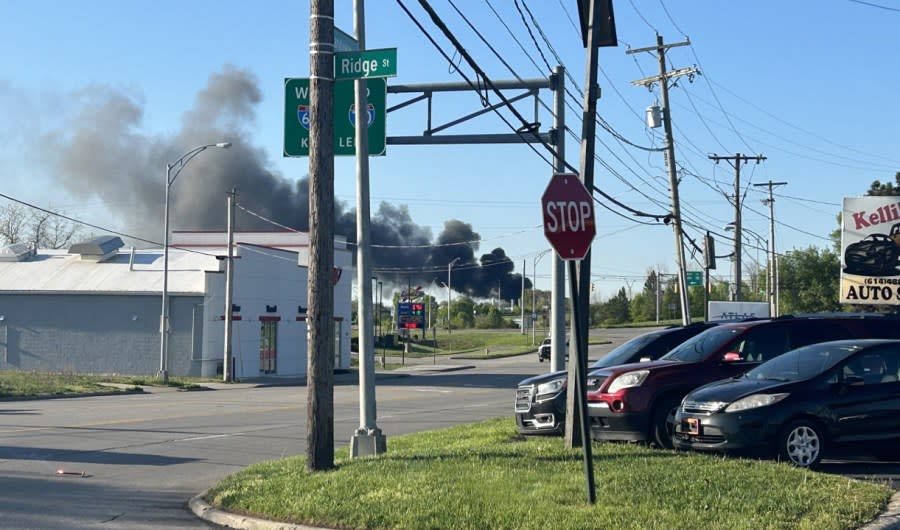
755	401
551	387
628	380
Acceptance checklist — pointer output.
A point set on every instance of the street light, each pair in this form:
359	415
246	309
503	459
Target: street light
536	260
164	314
449	292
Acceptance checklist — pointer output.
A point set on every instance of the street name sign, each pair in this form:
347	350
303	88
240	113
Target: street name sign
568	210
297	117
366	64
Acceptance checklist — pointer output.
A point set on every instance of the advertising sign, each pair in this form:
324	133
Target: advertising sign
870	251
410	315
723	310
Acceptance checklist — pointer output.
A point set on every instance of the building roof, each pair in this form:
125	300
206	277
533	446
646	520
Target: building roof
57	271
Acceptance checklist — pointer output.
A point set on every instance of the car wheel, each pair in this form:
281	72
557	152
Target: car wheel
663	422
802	444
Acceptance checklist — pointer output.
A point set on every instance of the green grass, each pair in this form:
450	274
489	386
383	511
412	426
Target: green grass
18	384
486	476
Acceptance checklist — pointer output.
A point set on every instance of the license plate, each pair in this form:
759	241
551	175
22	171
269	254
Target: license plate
692	426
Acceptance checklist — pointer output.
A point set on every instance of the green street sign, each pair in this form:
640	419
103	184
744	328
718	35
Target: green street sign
694	278
297	116
366	64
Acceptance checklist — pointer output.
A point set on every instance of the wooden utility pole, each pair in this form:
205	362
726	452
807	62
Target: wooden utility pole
663	80
320	314
772	276
735	162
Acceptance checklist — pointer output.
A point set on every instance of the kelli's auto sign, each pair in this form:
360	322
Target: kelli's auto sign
870	251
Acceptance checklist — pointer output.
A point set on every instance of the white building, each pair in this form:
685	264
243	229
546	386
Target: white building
96	307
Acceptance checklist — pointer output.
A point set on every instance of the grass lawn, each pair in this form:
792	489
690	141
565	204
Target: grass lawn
486	476
17	384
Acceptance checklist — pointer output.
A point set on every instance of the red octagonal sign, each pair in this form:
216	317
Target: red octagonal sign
568	211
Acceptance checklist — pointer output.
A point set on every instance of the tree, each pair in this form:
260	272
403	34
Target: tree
808	281
616	310
43	229
886	189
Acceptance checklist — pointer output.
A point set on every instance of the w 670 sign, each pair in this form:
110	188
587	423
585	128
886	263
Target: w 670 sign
568	210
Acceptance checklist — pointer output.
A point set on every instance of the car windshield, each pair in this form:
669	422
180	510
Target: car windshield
625	351
701	346
802	363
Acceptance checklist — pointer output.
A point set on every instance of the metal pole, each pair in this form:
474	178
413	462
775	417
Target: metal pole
657	297
533	298
522	298
368	439
557	268
163	373
227	367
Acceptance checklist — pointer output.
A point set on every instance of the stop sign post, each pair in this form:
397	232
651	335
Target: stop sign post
568	210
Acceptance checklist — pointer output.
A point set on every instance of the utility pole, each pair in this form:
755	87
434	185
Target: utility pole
557	268
368	440
663	80
773	257
735	162
227	364
521	299
320	292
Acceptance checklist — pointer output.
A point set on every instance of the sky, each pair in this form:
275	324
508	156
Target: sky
98	96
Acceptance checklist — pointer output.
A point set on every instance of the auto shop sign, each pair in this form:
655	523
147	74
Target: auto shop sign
870	251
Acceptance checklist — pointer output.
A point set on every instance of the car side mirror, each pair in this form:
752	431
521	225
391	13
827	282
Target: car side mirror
853	380
732	357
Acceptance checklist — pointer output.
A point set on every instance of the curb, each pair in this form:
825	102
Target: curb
205	511
889	519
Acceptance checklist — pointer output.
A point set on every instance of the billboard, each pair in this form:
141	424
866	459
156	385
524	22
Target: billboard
870	250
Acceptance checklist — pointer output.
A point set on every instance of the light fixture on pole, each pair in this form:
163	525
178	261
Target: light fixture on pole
449	292
536	260
178	165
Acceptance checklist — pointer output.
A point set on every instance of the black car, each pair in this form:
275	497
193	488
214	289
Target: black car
876	255
801	405
541	400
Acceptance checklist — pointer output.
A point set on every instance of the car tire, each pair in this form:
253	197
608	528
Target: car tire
801	443
662	422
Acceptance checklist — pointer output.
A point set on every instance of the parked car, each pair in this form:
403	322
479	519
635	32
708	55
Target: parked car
801	405
544	350
541	400
637	402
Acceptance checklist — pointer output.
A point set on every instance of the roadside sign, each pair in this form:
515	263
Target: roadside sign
694	278
568	210
366	64
411	315
870	251
297	117
344	42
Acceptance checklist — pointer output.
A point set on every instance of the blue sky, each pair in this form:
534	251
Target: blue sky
811	85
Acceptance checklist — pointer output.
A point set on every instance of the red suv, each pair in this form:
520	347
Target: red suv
637	402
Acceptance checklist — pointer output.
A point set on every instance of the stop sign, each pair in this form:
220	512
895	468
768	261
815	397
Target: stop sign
568	210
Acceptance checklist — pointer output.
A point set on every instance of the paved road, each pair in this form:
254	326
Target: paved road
146	454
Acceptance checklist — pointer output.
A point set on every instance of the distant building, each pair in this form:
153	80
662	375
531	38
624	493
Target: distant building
96	307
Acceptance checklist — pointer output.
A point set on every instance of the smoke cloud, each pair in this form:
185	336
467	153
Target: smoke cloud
101	151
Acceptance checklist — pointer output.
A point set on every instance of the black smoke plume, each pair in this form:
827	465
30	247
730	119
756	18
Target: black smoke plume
101	151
